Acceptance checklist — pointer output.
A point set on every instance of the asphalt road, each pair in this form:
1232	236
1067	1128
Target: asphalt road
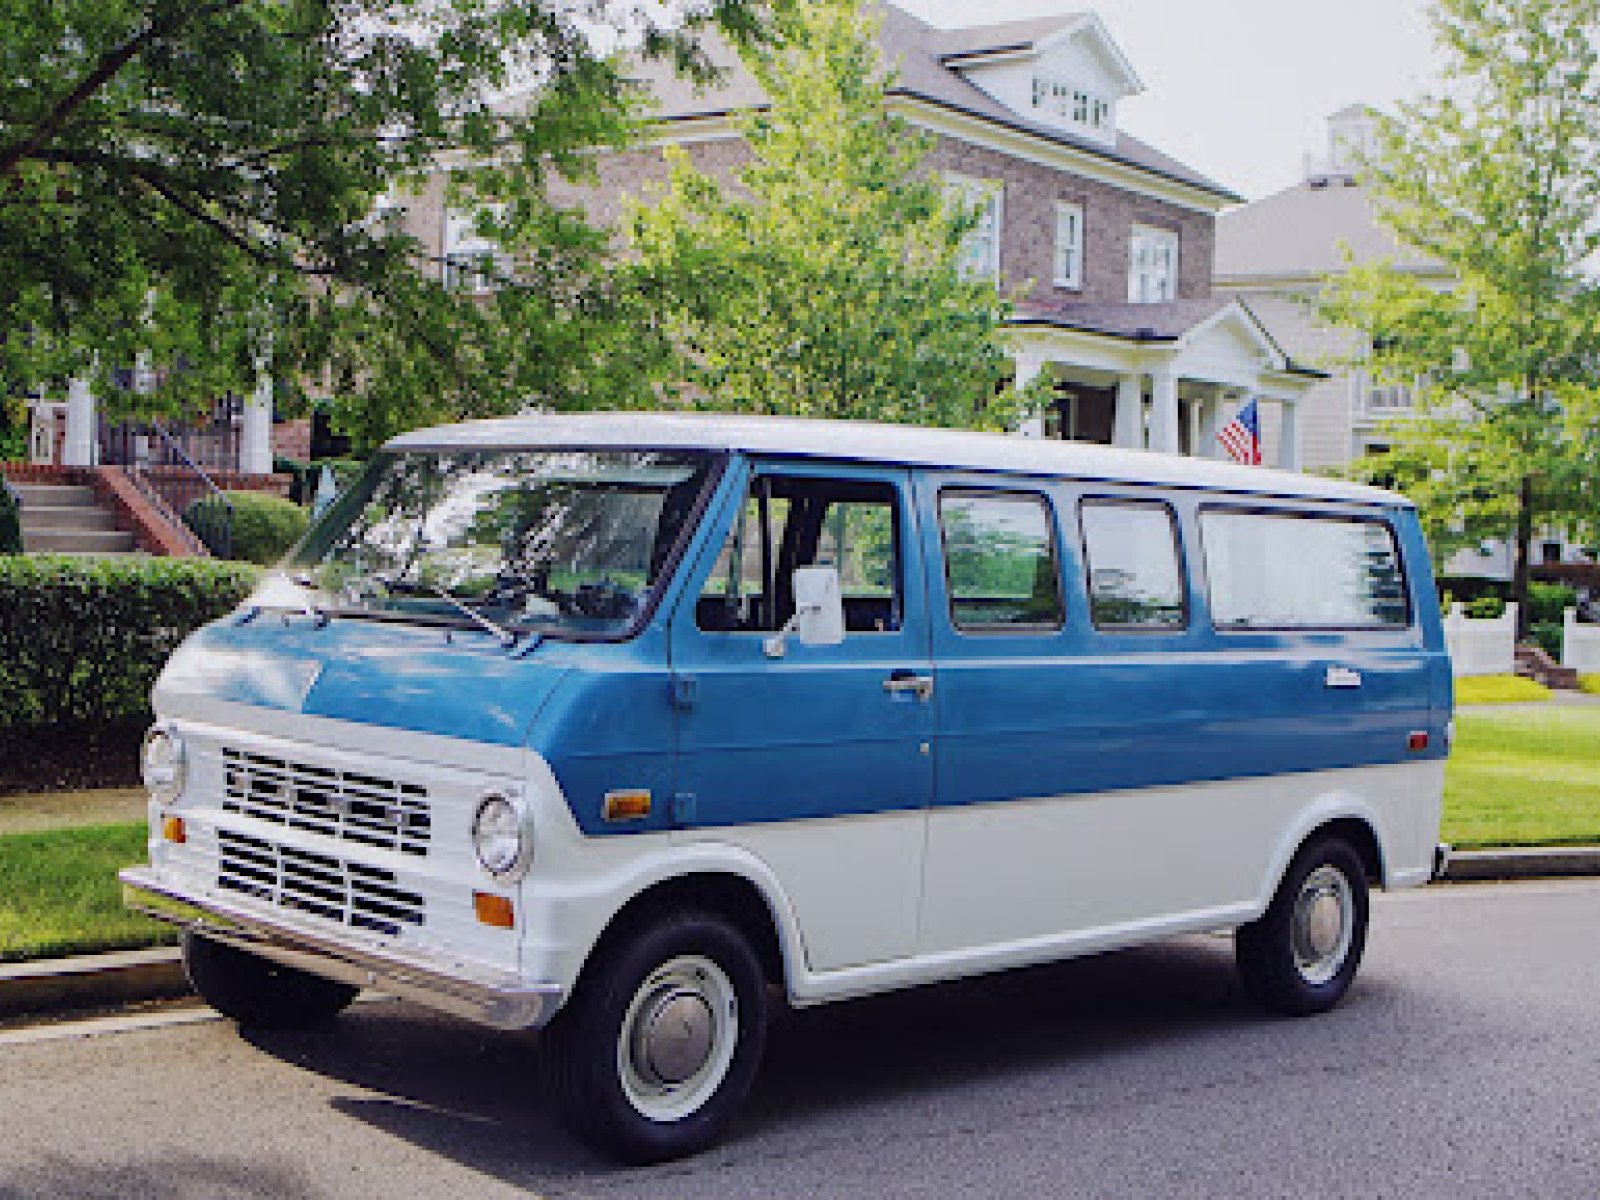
1466	1062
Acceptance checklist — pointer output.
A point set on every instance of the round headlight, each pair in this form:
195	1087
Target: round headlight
501	837
163	763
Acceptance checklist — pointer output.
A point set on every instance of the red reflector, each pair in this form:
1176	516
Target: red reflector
1417	741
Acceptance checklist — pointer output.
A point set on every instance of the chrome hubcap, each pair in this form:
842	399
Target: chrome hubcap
674	1037
1324	922
678	1037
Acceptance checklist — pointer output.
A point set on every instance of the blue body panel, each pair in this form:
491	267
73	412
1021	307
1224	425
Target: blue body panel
812	734
458	684
723	735
1081	710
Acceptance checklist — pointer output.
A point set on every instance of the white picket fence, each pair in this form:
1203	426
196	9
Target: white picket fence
1482	646
1580	644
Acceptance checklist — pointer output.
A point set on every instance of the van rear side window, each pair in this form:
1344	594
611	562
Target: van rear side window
1131	552
1300	571
1000	561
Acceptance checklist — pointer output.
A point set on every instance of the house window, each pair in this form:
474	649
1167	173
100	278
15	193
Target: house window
1069	245
980	254
471	262
1071	105
1153	265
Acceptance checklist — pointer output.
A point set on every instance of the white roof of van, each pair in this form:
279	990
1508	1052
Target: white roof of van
865	441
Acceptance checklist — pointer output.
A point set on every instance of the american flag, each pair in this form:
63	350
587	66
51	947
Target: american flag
1241	437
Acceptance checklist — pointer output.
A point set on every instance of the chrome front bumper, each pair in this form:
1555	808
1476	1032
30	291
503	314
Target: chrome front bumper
496	999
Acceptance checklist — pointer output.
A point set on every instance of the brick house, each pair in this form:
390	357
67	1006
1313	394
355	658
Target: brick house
1109	240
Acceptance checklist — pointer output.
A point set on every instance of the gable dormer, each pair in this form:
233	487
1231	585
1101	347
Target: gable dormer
1071	78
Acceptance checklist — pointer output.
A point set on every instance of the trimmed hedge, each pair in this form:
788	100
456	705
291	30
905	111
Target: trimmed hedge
82	639
10	520
264	526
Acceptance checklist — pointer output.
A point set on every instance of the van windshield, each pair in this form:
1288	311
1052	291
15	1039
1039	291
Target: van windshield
557	542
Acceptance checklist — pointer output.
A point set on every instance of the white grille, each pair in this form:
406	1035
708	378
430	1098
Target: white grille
349	893
338	804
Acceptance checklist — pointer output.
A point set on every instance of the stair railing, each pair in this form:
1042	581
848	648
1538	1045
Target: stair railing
164	470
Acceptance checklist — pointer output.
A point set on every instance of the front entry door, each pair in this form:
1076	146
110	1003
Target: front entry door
818	761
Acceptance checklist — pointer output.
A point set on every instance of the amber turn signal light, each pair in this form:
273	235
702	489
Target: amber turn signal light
632	804
172	829
495	911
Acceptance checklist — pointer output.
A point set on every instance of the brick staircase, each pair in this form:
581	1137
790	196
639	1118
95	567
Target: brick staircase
1533	663
61	518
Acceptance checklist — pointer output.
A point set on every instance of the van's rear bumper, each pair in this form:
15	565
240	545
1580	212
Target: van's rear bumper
489	998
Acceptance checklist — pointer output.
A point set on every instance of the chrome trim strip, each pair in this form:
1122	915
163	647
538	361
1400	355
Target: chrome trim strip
497	999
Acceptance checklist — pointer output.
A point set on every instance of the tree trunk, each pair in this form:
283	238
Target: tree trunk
1522	552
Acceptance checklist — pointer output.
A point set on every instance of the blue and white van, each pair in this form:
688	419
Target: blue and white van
625	726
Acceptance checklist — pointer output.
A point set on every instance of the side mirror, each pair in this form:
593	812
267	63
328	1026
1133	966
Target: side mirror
818	611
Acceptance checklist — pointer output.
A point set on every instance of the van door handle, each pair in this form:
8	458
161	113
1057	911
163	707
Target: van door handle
1341	677
902	682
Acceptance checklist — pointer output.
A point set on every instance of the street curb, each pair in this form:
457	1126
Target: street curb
134	976
1534	862
91	980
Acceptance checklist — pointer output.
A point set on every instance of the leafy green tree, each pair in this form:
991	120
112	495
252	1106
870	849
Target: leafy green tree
195	181
1498	178
824	280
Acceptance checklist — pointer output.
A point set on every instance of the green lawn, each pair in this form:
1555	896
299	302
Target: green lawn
1522	778
1498	689
59	893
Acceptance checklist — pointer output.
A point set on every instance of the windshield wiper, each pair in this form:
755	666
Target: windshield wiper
506	637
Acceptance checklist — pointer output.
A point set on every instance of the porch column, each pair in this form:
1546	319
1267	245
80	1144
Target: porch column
1205	445
78	450
1128	428
1164	411
1289	436
1029	367
255	443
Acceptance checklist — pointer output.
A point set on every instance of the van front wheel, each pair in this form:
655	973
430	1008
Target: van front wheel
654	1053
1300	957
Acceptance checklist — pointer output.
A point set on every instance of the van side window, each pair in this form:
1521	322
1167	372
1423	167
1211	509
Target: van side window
800	521
1000	561
1299	571
1131	554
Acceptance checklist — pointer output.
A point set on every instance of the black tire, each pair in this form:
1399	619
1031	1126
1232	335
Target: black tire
1277	955
584	1058
259	994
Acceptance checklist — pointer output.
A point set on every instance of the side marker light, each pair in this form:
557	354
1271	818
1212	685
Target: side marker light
1418	740
632	804
495	911
173	831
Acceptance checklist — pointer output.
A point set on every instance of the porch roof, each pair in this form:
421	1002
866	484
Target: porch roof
1169	322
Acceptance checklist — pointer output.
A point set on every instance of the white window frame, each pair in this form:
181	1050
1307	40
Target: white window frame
1152	265
986	194
1068	264
1071	105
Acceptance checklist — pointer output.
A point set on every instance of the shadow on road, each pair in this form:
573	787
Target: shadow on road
473	1095
176	1177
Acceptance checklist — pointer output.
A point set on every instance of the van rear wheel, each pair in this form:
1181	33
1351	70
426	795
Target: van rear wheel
1300	957
260	994
657	1048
